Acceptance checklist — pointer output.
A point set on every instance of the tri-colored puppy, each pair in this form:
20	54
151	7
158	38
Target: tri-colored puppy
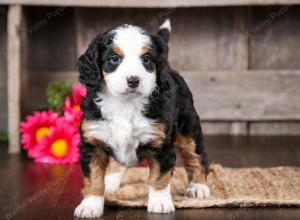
136	108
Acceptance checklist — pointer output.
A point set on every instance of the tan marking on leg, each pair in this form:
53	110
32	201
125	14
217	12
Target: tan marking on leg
113	166
157	179
161	135
114	175
94	183
191	160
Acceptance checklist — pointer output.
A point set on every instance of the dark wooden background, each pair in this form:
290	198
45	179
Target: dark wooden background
242	63
3	70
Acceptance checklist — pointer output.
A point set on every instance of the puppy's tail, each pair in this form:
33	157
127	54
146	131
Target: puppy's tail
165	30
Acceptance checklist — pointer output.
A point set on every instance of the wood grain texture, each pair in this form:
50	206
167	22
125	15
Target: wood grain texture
224	128
3	68
49	35
14	76
93	21
274	128
149	3
208	39
245	95
201	38
274	38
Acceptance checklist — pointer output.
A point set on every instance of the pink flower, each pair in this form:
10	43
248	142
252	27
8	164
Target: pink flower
49	138
72	112
61	146
77	92
35	128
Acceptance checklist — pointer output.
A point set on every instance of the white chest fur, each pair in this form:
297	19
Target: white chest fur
124	127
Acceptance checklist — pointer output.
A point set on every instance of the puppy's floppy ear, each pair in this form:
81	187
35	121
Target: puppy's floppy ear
162	51
90	73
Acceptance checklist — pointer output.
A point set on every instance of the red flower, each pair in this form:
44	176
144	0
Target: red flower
61	146
35	128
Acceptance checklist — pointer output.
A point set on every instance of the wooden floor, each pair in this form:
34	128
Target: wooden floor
35	191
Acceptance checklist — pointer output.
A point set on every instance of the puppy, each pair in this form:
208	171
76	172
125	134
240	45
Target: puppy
136	108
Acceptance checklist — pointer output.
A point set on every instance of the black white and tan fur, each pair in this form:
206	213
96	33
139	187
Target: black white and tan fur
136	108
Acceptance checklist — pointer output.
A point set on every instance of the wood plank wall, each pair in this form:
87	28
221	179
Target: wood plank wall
50	49
236	59
14	75
276	34
200	36
3	68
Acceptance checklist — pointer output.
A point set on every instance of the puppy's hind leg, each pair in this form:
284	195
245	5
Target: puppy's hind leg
114	175
195	164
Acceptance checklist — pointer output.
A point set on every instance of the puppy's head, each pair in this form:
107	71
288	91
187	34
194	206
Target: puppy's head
123	62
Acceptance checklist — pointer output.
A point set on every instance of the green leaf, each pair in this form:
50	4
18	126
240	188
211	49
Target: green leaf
56	94
3	136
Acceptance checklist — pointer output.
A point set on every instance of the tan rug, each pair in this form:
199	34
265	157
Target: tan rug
244	187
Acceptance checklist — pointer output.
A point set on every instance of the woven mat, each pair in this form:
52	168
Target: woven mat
243	187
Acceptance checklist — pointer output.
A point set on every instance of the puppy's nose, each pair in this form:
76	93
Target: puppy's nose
133	81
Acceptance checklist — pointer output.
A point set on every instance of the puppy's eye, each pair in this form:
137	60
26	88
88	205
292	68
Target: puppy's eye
114	59
146	58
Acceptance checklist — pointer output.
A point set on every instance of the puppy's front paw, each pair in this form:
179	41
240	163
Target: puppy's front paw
197	190
160	201
90	207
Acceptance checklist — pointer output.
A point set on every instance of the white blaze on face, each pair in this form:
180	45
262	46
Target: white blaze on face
131	41
125	127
